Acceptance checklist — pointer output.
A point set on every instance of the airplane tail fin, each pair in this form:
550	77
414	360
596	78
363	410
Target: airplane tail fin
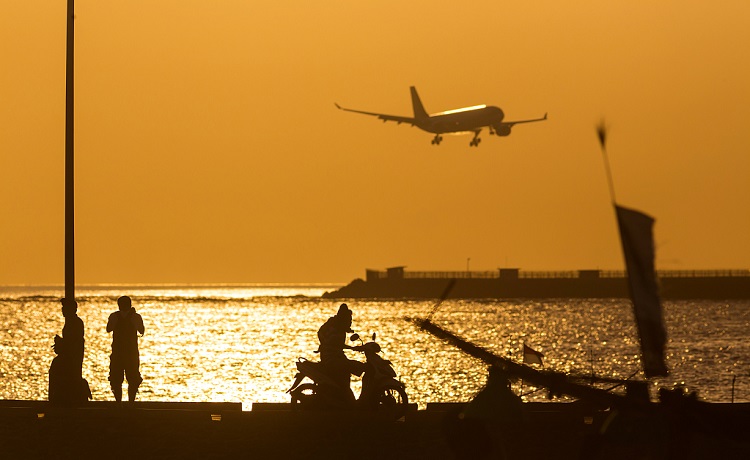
419	111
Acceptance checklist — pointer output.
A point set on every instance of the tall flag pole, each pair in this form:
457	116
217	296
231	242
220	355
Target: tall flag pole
69	187
637	239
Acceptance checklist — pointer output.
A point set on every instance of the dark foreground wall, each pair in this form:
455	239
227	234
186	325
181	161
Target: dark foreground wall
108	431
171	431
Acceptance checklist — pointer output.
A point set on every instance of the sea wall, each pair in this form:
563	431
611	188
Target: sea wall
676	287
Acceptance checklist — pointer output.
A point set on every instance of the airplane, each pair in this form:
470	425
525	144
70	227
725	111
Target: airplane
464	120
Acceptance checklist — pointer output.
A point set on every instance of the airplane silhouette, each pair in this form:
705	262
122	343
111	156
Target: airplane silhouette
464	120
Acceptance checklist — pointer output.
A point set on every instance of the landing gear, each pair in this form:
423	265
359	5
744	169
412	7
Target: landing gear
475	142
437	139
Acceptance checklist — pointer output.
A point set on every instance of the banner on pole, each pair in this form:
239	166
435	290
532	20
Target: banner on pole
636	235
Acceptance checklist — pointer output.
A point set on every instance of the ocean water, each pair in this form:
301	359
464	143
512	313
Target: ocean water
240	343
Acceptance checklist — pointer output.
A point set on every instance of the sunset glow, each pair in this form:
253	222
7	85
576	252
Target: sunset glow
209	150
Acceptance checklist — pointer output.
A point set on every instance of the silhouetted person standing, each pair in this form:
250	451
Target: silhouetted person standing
125	326
66	384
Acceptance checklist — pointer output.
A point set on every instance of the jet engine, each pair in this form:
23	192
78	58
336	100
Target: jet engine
501	129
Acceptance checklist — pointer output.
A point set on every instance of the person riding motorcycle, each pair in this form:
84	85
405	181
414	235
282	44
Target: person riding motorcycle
332	337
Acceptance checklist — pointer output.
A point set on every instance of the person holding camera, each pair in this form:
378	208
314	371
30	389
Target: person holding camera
125	326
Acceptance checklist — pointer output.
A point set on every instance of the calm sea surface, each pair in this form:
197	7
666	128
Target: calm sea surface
230	343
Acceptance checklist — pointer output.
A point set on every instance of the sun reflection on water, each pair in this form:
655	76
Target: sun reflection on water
231	344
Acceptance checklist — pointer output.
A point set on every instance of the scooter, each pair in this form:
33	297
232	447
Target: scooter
379	385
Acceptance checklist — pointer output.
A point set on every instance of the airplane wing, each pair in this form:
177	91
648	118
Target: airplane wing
511	123
382	116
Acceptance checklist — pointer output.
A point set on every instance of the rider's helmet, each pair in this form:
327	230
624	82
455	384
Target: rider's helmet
344	315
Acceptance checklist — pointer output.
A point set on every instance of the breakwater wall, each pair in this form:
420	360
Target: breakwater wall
396	282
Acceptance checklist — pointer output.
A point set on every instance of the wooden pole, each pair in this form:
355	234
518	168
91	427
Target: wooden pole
601	131
557	382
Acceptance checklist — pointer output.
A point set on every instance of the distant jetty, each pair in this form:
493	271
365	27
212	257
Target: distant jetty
513	283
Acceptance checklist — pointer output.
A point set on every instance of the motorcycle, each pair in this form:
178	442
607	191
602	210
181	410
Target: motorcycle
379	385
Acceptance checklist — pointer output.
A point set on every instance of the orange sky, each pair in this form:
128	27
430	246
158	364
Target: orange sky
208	147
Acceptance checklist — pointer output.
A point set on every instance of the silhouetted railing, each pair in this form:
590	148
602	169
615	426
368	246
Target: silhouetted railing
450	275
570	274
547	274
702	273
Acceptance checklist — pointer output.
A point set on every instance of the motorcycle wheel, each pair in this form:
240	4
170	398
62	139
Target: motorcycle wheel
301	393
393	395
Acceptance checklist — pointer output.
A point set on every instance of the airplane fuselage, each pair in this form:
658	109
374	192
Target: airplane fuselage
462	120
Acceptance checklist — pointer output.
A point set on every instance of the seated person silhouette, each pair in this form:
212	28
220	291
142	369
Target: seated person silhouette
490	423
332	336
66	384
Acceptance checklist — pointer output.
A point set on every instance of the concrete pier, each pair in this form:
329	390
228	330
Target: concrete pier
198	430
167	430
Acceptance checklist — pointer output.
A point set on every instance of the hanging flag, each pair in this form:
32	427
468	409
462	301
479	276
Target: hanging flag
636	235
531	356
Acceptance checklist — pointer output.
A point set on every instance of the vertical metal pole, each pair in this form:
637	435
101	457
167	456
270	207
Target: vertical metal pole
69	184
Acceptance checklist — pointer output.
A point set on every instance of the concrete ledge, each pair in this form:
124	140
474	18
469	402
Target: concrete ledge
445	406
147	405
125	431
268	406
